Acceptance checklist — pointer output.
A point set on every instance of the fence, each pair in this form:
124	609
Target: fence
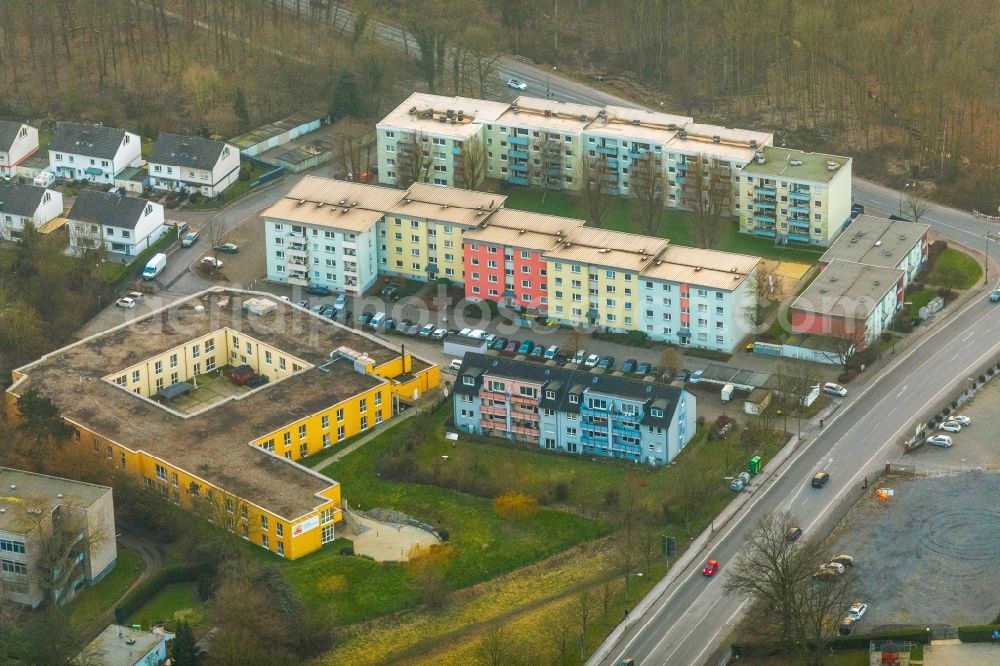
273	173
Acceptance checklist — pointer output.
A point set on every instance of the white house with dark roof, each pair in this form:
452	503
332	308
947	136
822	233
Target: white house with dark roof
119	224
193	163
92	152
21	204
18	141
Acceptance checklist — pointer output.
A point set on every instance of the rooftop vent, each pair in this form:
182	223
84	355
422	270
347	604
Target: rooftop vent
319	204
583	117
413	110
878	243
760	157
902	236
716	139
636	122
671	126
13	486
460	113
877	283
60	495
833	278
888	253
822	290
342	202
602	113
753	143
697	268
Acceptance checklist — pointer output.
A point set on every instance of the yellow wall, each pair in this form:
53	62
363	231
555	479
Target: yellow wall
401	249
625	294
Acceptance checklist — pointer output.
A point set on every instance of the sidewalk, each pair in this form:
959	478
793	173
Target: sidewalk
367	437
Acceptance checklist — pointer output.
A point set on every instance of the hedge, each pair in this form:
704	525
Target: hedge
852	642
977	633
147	589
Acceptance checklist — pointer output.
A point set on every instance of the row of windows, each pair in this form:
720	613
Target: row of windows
10	566
11	546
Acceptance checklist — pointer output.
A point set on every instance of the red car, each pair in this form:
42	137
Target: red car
710	567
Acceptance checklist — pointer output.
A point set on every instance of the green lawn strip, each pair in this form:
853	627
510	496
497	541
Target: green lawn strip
234	191
95	600
168	601
678	225
956	270
920	298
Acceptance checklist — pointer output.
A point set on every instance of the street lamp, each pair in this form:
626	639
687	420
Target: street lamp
907	185
986	272
548	92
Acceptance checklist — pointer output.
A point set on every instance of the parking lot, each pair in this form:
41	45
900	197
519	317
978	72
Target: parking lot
930	554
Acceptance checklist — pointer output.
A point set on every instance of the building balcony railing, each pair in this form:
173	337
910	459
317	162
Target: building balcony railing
764	218
765	232
608	150
300	253
768	191
798	195
801	210
799	238
767	205
519	168
517	154
799	224
517	180
300	281
518	140
493	410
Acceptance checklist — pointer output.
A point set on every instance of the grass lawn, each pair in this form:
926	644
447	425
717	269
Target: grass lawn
955	270
175	598
93	601
678	225
919	298
237	189
839	658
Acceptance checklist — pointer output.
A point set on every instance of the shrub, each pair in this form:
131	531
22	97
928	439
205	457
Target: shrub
515	506
611	497
886	336
347	550
982	378
847	375
977	633
560	491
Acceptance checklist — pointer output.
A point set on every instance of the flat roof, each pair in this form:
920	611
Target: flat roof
725	374
270	130
733	143
796	165
213	444
123	646
336	204
847	289
524	229
24	493
614	249
876	241
447	204
642	124
565	117
423	112
708	268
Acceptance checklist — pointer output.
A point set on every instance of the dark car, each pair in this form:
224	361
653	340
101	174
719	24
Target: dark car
328	312
318	290
228	248
819	479
644	368
511	347
389	324
629	365
793	533
499	344
343	315
365	317
526	347
537	352
606	362
256	380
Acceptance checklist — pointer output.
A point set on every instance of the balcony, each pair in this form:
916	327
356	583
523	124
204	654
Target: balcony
297	252
518	140
767	205
623	429
802	210
517	154
351	269
612	162
493	410
765	233
350	246
766	191
799	224
799	238
517	180
764	218
608	150
520	168
456	150
799	195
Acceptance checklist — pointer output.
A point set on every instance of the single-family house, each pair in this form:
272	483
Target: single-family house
21	204
119	224
193	163
92	152
18	142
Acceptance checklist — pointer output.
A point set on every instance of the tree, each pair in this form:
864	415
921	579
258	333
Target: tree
494	649
413	163
471	169
545	166
671	362
429	23
182	651
915	206
515	506
40	418
560	636
949	274
584	607
847	338
763	285
241	110
597	197
354	141
346	99
707	191
573	342
648	187
428	567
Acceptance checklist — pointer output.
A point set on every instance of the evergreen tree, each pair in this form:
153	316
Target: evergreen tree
183	650
41	418
346	100
241	110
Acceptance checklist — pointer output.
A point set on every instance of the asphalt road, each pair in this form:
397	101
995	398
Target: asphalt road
694	615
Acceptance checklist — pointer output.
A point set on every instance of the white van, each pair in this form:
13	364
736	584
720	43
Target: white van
455	364
377	320
44	179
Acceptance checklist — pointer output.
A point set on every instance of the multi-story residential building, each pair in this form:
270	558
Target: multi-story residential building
849	301
326	232
92	152
422	140
699	298
151	397
421	234
574	411
193	163
26	204
18	142
793	196
876	241
56	537
119	224
594	277
505	257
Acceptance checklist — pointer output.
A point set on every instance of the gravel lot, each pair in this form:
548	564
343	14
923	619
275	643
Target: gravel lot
976	446
930	555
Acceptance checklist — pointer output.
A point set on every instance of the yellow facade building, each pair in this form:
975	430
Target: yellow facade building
178	400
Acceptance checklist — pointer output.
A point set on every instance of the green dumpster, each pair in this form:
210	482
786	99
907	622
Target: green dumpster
754	466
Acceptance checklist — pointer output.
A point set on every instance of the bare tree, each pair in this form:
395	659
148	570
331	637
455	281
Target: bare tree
597	196
648	187
494	649
846	339
471	170
354	141
763	285
584	606
413	163
915	205
707	191
821	601
671	362
545	164
573	342
560	635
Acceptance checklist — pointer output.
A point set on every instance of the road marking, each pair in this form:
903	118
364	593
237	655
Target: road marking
902	390
679	643
971	333
724	627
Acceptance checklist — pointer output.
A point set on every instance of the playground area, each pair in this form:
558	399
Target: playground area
384	539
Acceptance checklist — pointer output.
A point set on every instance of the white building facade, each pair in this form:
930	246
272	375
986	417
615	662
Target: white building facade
18	141
92	152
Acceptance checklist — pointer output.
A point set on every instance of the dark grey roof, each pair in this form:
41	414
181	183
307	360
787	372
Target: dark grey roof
8	132
186	151
107	209
18	199
90	140
563	382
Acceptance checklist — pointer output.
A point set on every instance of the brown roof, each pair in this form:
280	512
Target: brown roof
447	204
335	203
522	229
213	445
613	249
707	268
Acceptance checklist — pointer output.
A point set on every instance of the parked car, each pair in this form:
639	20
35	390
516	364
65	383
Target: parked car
592	361
376	321
414	329
389	324
490	337
580	356
526	347
511	347
517	84
844	559
455	365
606	362
846	626
965	421
651	370
537	352
695	377
834	389
426	330
950	426
135	295
499	344
228	248
793	533
739	482
440	333
857	611
303	304
943	441
211	262
710	568
343	315
341	302
643	368
365	317
683	376
318	290
126	302
820	479
318	308
328	311
189	239
551	352
629	365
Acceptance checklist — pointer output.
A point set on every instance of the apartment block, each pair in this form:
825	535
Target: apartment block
154	398
326	232
56	537
877	241
421	234
505	257
695	297
793	196
573	411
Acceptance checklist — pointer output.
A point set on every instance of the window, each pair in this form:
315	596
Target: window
303	449
158	367
287	438
161	472
574	399
364	423
11	546
326	439
230	505
340	433
263	523
340	414
281	362
378	398
325	421
281	548
302	431
9	566
265	541
210	365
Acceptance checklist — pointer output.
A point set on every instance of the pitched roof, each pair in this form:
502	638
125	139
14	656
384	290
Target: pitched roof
336	204
563	382
90	140
447	204
613	249
707	268
106	209
19	199
187	151
523	229
8	132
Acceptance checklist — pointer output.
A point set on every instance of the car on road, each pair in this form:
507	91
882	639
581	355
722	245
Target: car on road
843	558
517	84
950	426
995	296
526	347
511	347
126	302
606	362
318	308
943	441
211	262
793	533
695	377
710	568
857	611
318	290
592	361
965	421
629	365
440	333
820	479
834	389
228	248
580	356
426	330
341	302
537	352
189	239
